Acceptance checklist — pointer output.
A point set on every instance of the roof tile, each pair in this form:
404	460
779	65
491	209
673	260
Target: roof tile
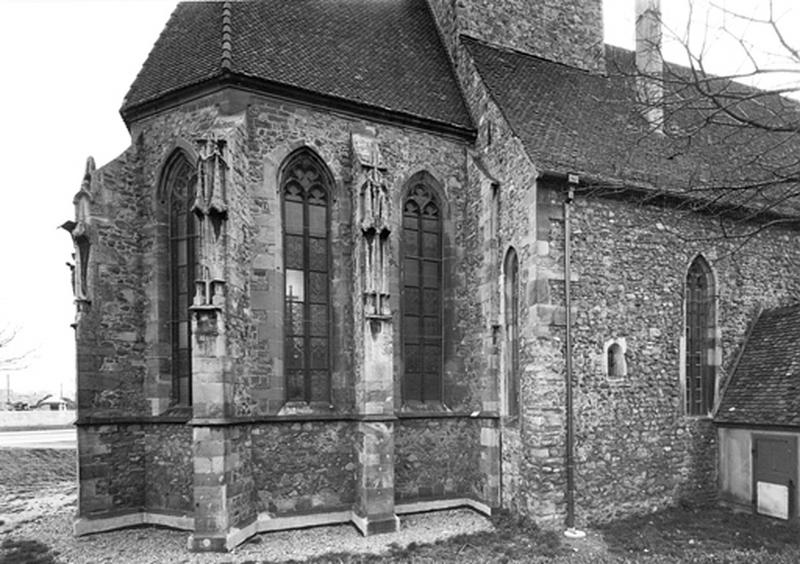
380	53
188	51
570	120
765	389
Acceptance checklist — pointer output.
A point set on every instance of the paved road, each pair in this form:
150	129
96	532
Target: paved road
51	438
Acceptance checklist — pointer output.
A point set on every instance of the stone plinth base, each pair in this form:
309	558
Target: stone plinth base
369	526
87	526
221	543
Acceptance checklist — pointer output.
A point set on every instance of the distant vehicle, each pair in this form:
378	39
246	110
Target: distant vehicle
20	406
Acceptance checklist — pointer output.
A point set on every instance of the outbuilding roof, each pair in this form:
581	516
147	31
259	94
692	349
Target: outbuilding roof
765	388
378	54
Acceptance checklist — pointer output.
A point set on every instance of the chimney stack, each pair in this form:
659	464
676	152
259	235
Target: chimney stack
649	63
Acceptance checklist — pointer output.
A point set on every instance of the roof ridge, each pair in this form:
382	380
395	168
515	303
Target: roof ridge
507	49
782	310
675	67
226	61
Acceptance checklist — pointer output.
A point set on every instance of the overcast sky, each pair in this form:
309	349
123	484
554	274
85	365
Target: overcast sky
66	67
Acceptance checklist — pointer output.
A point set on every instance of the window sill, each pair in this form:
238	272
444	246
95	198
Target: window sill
306	408
407	413
180	410
510	420
423	407
163	419
704	417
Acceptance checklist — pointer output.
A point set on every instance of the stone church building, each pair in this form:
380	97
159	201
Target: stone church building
328	281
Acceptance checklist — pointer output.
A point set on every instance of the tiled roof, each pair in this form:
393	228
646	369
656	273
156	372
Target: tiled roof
765	389
188	51
381	54
572	121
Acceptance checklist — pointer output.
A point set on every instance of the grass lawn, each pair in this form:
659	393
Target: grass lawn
29	469
24	474
705	535
711	530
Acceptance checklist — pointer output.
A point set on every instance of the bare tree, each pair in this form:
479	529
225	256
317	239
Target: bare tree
12	358
731	140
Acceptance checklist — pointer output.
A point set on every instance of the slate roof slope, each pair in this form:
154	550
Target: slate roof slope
382	54
188	51
765	389
573	121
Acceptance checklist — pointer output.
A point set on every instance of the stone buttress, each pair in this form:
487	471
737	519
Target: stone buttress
373	511
217	457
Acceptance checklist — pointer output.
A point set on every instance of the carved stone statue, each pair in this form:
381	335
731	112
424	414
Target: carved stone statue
211	208
373	217
79	230
374	203
212	166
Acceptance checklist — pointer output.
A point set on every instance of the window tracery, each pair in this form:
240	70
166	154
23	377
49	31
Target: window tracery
305	199
422	295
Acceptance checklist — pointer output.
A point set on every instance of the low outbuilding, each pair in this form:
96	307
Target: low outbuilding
758	419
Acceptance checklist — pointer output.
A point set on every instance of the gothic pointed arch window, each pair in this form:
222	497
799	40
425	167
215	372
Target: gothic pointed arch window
700	338
511	295
422	294
179	193
305	195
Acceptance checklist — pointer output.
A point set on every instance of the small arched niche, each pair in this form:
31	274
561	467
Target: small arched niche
614	359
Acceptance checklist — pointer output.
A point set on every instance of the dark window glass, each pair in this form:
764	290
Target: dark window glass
305	258
422	290
180	194
700	343
512	331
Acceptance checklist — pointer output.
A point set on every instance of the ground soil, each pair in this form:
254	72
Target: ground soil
38	501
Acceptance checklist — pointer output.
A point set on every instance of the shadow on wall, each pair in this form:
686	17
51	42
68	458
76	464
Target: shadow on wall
698	487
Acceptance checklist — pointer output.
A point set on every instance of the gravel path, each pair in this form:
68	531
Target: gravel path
46	517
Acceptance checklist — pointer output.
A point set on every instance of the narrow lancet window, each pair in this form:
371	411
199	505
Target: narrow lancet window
511	295
422	295
700	338
183	234
306	193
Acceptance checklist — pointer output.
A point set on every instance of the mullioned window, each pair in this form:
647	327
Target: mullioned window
180	181
422	295
305	194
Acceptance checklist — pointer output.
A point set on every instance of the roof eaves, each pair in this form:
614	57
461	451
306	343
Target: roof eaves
170	97
650	193
383	113
262	86
791	427
467	38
